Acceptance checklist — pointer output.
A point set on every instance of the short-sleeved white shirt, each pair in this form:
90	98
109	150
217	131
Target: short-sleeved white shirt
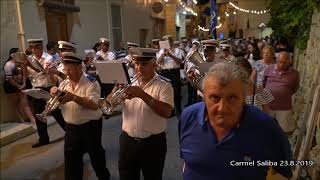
106	56
168	62
9	68
139	120
74	113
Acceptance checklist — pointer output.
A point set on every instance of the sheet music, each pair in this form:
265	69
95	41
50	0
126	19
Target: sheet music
164	44
112	71
37	93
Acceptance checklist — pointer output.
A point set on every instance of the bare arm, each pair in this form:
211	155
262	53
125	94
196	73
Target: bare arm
85	102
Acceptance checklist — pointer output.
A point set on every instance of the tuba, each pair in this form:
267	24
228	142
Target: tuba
53	102
195	58
107	106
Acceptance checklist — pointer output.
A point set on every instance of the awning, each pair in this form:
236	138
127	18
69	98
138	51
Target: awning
61	6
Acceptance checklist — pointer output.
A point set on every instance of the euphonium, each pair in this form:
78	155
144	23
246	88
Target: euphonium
195	58
108	106
53	102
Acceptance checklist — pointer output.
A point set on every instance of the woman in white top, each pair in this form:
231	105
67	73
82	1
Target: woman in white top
260	65
15	81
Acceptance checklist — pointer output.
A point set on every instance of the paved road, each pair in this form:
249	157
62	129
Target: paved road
20	162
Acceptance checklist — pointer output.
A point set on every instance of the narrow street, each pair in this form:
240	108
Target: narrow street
46	163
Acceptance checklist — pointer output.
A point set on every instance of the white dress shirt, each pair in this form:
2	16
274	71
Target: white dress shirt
139	120
74	113
168	62
106	56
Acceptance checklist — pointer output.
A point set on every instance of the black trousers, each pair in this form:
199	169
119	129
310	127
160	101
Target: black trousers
80	139
146	155
192	94
174	76
42	128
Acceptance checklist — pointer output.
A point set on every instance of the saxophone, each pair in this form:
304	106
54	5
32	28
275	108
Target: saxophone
53	102
108	106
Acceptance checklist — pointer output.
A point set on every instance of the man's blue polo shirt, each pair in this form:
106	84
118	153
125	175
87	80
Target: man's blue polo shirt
245	153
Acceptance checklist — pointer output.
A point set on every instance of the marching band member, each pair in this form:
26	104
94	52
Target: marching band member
105	53
209	52
143	144
155	44
128	58
184	45
65	46
169	61
44	82
83	120
192	92
89	57
227	54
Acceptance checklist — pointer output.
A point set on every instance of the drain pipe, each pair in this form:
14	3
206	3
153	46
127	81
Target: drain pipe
21	31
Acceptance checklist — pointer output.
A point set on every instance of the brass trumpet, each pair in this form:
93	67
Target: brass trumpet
108	106
53	102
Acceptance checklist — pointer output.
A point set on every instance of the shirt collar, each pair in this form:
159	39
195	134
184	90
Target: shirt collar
148	83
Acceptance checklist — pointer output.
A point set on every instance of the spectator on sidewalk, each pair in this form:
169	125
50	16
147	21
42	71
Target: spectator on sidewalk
15	81
282	81
260	65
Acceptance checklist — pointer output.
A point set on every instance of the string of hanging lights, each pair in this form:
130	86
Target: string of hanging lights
249	11
187	9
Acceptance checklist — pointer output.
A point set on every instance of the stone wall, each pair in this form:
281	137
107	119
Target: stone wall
306	63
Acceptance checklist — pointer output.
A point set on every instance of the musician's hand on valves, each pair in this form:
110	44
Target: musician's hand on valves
67	97
191	74
134	91
54	90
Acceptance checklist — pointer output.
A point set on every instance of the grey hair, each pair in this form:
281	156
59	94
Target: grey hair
226	72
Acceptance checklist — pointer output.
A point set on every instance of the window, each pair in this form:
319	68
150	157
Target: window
116	25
